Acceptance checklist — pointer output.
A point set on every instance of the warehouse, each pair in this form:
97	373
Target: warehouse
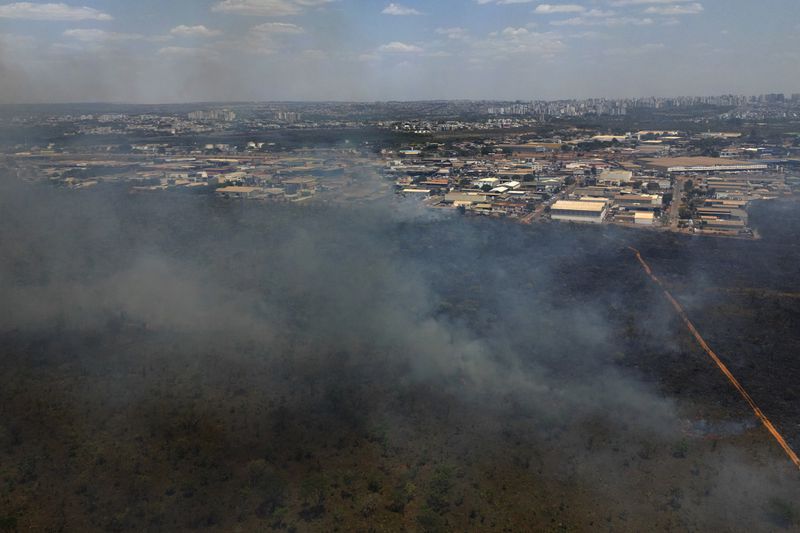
643	218
579	211
463	199
639	202
733	226
615	178
682	165
239	192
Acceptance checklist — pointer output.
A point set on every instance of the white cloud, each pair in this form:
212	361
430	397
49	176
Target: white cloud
622	3
514	32
549	9
599	13
673	10
267	8
87	35
270	28
603	21
194	31
452	33
397	47
513	41
399	10
504	2
31	11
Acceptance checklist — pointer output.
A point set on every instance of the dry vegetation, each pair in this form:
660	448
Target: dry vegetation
611	419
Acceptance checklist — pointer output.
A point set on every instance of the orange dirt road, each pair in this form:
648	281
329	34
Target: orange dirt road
723	368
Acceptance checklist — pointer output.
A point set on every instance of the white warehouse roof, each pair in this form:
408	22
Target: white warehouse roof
577	205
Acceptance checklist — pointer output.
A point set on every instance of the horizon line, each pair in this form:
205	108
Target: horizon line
409	101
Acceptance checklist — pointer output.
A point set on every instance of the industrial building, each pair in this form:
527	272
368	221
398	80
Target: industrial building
239	192
615	177
593	210
644	218
639	202
683	165
463	199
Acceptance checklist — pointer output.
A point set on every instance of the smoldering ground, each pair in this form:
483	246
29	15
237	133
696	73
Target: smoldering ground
181	362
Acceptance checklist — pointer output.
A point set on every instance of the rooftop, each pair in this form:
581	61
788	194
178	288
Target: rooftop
578	205
669	162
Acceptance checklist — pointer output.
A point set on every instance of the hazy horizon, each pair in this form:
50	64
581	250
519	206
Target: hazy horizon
390	101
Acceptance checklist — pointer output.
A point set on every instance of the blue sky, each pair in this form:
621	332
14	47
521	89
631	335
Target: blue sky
190	50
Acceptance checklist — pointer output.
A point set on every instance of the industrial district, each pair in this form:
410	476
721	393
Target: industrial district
569	162
628	183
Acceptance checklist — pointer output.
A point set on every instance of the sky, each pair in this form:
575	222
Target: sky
161	51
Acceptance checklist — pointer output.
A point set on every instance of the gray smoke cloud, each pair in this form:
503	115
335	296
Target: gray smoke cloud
13	81
319	320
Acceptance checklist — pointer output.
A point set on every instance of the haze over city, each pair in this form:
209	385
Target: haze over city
152	51
409	266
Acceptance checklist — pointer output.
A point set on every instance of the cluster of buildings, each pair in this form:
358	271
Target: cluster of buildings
213	115
615	195
494	185
764	106
520	165
505	183
428	127
423	118
563	108
285	177
717	202
618	179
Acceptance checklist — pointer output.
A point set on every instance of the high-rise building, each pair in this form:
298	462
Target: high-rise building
222	115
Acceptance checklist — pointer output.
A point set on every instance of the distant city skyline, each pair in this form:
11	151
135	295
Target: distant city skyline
370	50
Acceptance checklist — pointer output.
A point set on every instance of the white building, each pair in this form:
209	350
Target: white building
593	211
615	177
717	168
644	218
239	192
463	199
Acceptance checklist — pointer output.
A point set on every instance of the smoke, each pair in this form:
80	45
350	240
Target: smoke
14	85
303	326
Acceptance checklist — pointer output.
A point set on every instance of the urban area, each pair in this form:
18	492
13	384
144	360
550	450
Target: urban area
690	165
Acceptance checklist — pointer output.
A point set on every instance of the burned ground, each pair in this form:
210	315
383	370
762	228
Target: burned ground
173	363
